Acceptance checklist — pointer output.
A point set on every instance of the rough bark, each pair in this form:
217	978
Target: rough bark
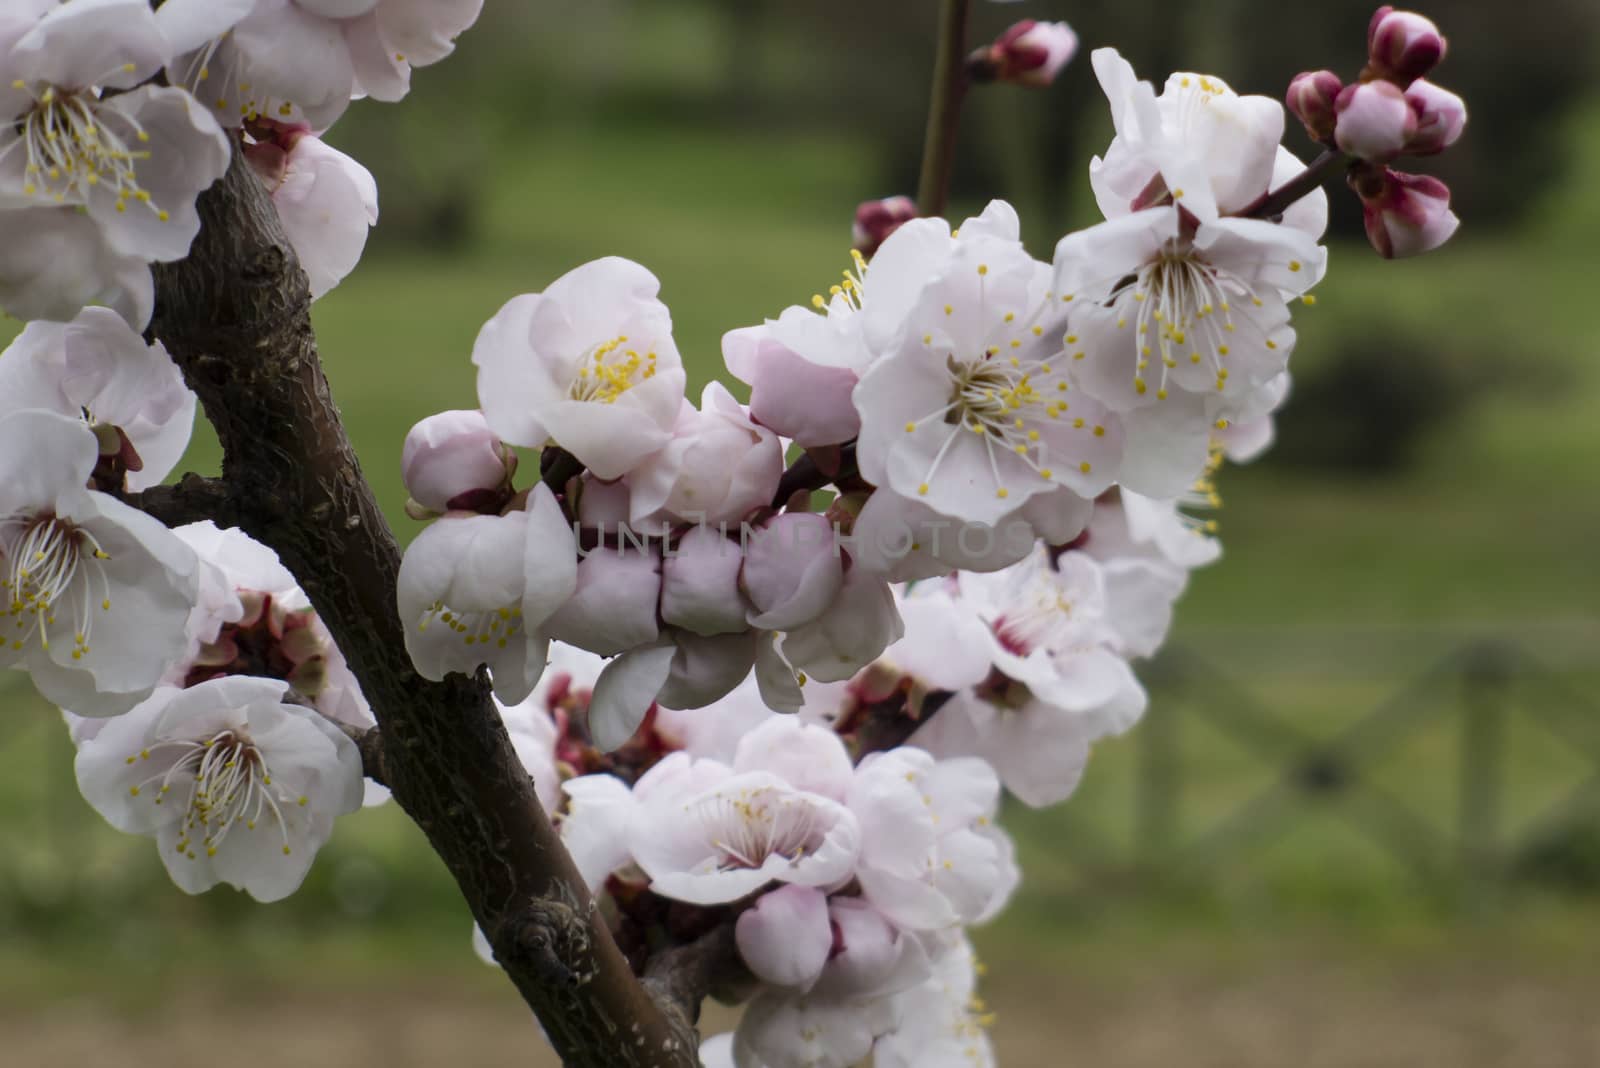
236	317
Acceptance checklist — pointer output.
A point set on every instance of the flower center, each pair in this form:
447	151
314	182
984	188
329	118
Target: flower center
50	566
230	784
268	642
74	145
609	370
214	74
1042	617
1183	314
748	827
495	628
1005	394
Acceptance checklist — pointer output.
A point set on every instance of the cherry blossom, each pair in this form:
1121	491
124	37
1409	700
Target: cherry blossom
83	132
237	783
98	369
588	364
477	589
97	593
326	200
973	411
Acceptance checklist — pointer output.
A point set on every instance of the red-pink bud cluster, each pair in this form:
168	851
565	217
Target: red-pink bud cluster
1388	112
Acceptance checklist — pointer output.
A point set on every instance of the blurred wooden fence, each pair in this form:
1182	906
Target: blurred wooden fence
1477	694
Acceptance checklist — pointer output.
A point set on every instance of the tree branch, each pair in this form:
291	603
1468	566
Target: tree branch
236	317
681	977
1271	204
944	108
190	500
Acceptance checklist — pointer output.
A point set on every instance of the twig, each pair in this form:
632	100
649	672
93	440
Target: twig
944	108
1273	203
369	742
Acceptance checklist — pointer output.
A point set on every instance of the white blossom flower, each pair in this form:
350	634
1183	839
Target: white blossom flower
477	589
588	364
942	1023
1177	327
834	1022
973	412
133	160
97	593
237	784
1207	147
253	619
326	200
716	833
931	857
305	60
97	368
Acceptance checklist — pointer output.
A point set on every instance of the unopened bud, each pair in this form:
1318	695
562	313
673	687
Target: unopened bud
877	219
452	460
700	584
1405	214
1030	53
1311	98
1373	122
1402	46
1441	116
792	570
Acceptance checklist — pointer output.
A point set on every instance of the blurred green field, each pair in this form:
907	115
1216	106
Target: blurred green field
1338	589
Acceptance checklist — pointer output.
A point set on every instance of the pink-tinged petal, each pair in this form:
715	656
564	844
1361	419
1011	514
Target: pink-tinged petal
190	24
115	43
624	692
785	938
806	756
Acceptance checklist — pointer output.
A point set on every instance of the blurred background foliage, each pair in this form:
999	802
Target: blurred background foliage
1431	507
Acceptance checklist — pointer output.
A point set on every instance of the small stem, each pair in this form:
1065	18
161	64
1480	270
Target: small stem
944	108
1274	203
804	474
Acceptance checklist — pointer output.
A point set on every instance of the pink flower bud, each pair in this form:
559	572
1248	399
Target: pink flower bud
1405	214
1373	122
789	394
700	584
452	460
792	570
1441	116
1402	46
1032	53
877	219
1311	98
613	608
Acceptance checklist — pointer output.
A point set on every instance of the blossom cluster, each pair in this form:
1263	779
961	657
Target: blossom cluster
117	116
784	656
769	663
211	708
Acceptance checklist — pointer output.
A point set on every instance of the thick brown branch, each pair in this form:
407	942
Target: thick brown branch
236	317
193	498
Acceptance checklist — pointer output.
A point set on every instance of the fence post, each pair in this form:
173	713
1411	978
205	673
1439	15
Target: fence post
1485	679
